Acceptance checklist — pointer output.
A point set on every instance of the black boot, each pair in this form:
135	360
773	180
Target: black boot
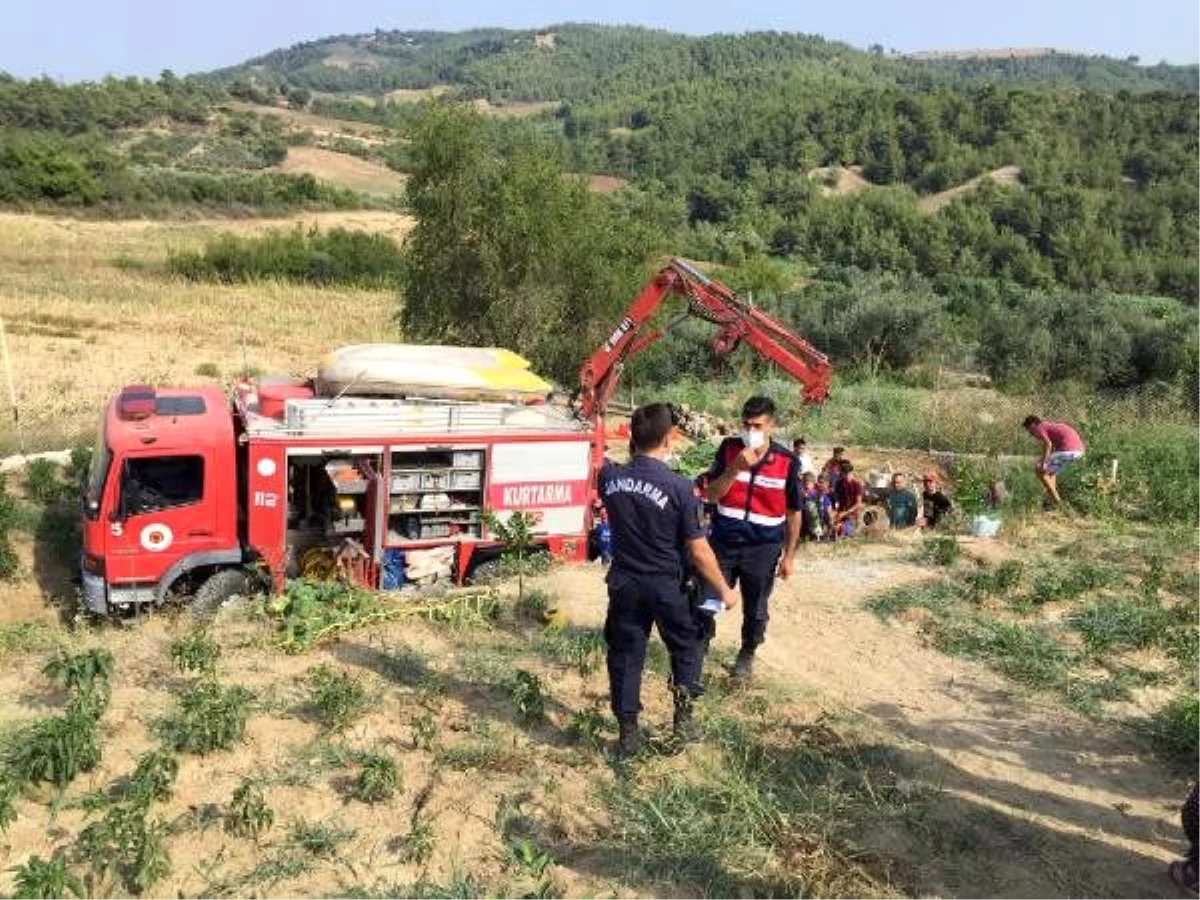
686	730
743	666
629	741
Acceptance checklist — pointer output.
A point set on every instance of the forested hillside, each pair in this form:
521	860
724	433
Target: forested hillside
587	62
1035	215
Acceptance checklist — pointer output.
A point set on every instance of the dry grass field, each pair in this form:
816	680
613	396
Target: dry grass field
87	307
343	170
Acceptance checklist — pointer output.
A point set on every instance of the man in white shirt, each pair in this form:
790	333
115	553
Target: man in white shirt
800	449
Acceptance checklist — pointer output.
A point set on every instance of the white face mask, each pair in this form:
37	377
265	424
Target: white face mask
753	439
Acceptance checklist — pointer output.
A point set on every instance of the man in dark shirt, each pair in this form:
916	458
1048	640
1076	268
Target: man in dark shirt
755	483
656	533
901	503
934	502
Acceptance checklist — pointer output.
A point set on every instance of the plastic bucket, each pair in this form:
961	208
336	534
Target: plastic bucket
985	526
273	398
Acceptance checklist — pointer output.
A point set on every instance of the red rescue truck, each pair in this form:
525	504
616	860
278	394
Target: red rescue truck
191	491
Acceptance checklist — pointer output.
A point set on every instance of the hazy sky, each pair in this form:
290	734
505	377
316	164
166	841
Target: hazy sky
87	39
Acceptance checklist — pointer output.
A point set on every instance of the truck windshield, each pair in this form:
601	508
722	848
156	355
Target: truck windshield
97	477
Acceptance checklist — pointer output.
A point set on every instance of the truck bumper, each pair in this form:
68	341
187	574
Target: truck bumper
95	592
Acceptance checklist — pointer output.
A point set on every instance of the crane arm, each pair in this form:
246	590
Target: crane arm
708	299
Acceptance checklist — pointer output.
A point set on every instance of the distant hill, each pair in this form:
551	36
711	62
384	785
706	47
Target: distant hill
573	62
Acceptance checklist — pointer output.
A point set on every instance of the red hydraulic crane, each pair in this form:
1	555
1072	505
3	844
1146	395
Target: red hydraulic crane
707	299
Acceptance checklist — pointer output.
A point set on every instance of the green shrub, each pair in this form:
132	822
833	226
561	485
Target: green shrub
318	838
337	256
1158	476
1024	653
992	581
38	878
1065	581
937	597
208	717
9	790
378	780
1176	728
44	483
81	461
248	814
1110	623
587	727
581	649
196	652
940	551
86	673
56	749
127	847
10	563
154	777
338	697
528	695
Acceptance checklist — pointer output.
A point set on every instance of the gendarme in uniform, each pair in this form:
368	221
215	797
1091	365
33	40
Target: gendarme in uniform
653	513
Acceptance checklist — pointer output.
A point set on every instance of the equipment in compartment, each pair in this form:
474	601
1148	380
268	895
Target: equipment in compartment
435	495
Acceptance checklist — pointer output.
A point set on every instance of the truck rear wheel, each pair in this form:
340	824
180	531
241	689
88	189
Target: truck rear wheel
218	588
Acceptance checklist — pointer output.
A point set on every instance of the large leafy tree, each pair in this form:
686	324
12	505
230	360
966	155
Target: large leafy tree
508	250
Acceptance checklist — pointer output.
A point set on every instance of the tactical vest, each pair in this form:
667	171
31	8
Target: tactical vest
758	496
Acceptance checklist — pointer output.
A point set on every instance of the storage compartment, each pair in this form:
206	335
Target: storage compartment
468	459
435	481
466	481
406	481
435	495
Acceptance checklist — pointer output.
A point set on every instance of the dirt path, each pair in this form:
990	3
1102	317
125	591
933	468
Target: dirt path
1034	800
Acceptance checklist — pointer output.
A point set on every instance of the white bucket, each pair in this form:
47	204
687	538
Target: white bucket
985	526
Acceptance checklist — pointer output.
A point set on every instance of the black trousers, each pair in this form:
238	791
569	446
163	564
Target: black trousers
752	567
1191	825
634	604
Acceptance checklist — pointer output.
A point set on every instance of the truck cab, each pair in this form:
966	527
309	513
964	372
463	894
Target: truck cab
160	501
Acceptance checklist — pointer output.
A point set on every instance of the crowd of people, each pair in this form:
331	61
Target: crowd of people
682	551
679	549
680	556
834	501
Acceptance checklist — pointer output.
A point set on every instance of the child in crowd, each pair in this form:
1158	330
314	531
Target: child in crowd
833	467
812	528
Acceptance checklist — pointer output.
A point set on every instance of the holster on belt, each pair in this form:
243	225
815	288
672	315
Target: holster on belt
693	589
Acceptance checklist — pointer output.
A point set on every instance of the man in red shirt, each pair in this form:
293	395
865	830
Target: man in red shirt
1061	446
849	501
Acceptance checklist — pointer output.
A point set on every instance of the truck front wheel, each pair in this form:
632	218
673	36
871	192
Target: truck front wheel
216	589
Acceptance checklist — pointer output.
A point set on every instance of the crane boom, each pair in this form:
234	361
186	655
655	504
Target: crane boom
737	321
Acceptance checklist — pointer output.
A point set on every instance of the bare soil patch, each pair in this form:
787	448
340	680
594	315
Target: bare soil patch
605	184
343	170
1005	175
840	180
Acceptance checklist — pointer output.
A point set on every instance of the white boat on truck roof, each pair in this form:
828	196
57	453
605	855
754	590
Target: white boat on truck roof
437	372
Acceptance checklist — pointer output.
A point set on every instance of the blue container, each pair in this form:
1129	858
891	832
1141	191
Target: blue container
392	577
604	542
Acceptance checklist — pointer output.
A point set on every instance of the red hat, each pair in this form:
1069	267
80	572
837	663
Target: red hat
930	476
